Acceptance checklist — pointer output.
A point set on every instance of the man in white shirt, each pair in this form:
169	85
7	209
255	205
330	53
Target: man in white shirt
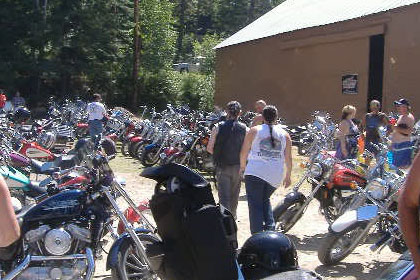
97	112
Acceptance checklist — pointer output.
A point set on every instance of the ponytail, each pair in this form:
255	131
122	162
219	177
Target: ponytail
270	117
273	144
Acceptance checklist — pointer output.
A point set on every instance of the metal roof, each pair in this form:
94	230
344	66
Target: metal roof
294	15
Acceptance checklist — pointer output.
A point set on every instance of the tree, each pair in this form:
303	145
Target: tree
231	15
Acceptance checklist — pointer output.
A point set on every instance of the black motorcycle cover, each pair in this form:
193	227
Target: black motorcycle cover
199	237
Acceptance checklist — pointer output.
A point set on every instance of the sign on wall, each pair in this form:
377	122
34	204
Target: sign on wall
349	84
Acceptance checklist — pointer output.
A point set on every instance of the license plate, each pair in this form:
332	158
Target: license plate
367	212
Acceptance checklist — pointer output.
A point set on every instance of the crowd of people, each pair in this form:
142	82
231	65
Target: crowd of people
261	156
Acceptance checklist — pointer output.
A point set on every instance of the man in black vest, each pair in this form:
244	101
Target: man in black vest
225	144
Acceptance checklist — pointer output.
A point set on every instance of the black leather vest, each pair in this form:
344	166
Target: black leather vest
228	144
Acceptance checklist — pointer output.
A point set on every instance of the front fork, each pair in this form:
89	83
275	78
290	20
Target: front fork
308	199
140	249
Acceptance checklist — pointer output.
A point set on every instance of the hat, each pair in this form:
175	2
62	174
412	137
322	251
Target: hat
402	101
233	107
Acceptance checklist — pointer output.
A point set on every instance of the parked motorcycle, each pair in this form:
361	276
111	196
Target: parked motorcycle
352	228
62	236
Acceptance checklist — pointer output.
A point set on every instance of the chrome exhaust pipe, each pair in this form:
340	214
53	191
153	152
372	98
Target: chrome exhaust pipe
28	259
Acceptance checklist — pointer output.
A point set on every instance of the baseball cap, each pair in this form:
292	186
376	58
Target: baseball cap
402	101
233	107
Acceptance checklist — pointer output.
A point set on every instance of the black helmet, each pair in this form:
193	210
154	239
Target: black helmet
22	115
266	253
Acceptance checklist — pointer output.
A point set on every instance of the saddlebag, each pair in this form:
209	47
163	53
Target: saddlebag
199	237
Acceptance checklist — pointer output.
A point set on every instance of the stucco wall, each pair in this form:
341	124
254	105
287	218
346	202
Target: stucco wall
307	77
402	58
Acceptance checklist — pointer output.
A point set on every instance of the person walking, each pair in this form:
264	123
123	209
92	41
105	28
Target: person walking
268	149
225	144
259	107
96	114
347	134
18	101
371	124
401	144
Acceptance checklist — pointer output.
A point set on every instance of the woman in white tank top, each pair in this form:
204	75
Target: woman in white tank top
267	148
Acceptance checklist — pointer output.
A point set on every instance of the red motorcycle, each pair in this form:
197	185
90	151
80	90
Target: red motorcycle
332	184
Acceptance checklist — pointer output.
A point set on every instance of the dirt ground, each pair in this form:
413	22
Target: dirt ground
307	234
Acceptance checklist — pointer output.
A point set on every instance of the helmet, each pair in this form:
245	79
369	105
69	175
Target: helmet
22	115
47	140
267	252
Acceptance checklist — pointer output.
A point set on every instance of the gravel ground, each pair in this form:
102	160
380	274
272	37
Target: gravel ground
307	234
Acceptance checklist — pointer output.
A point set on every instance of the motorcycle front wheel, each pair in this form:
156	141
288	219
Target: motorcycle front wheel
338	245
124	148
284	214
130	266
150	158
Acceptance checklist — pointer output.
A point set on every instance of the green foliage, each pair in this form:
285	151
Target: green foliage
157	34
231	15
66	47
197	91
205	49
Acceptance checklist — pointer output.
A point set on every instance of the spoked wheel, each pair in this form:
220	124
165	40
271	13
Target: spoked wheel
130	265
124	148
150	157
338	245
284	214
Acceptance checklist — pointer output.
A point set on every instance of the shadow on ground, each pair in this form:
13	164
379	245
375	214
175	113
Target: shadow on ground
357	270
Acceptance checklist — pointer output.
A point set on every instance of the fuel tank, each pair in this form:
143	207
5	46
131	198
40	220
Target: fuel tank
64	205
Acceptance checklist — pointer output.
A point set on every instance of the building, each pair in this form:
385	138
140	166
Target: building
308	55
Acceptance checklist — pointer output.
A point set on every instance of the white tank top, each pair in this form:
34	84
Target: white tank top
265	161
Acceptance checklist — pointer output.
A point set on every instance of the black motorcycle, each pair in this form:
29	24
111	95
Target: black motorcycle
62	236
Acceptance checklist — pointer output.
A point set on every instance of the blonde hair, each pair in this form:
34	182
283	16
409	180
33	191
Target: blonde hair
347	110
375	103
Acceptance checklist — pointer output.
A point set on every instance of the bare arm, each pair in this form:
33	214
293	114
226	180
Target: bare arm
288	161
10	230
212	140
246	146
408	211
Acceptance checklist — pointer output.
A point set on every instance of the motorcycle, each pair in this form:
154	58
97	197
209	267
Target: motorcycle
352	228
62	235
331	182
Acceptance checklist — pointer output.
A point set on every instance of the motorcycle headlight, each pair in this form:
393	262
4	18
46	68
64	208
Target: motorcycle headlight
377	188
315	170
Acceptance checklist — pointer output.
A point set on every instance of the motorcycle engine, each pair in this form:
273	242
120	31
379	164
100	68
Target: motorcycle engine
47	241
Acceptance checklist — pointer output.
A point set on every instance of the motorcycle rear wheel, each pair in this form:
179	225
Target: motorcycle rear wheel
130	266
338	245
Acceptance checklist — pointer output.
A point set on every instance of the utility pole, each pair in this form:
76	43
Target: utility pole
136	54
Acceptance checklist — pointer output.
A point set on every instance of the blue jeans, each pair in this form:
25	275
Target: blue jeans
95	132
258	193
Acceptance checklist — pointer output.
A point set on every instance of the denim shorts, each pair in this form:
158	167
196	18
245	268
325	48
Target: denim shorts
402	153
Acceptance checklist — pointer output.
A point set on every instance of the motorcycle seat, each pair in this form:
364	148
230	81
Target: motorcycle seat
40	167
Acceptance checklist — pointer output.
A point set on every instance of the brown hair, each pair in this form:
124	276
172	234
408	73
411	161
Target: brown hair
97	97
